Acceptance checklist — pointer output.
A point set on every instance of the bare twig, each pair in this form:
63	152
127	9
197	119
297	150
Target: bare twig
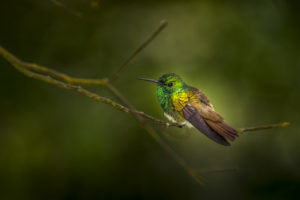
23	67
162	25
39	68
257	128
49	78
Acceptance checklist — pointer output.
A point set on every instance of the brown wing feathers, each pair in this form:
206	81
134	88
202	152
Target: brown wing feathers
200	103
192	115
223	129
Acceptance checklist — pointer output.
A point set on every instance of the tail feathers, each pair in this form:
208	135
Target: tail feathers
223	129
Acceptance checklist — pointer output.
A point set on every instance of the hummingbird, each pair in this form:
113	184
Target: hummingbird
189	106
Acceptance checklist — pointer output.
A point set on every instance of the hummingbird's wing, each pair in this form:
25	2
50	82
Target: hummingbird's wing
198	100
192	115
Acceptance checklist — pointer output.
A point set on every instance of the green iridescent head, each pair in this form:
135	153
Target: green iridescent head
168	83
167	86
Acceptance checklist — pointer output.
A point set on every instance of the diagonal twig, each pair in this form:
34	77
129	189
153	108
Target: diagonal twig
162	25
25	67
19	65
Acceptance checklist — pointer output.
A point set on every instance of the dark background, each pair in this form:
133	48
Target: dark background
57	144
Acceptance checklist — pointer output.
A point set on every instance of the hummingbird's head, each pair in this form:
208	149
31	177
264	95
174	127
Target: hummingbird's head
167	82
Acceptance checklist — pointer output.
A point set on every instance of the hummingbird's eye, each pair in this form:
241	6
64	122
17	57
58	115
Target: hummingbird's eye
170	84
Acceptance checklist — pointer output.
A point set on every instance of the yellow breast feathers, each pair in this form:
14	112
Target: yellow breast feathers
179	100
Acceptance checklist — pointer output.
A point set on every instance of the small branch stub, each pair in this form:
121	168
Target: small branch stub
257	128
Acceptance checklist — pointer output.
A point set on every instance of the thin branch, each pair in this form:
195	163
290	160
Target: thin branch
62	76
70	81
39	68
162	25
257	128
23	67
19	65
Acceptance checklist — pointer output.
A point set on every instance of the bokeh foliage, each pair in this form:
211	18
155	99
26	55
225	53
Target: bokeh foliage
55	144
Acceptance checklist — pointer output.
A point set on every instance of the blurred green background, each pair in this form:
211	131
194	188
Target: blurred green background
57	144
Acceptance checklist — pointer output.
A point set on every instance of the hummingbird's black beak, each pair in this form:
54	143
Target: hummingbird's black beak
149	80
